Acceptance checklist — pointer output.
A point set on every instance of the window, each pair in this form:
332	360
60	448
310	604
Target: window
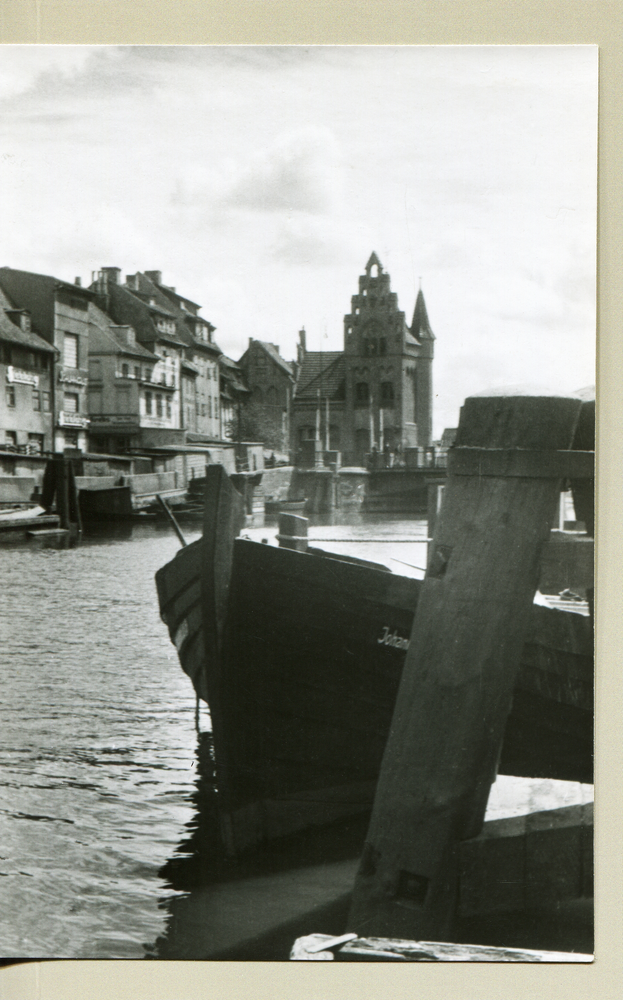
10	395
362	394
158	405
125	370
95	369
387	394
70	351
137	371
210	407
215	408
169	409
148	374
71	402
203	409
36	399
148	402
47	402
71	438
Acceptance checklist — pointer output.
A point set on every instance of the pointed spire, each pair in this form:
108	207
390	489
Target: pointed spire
373	260
420	326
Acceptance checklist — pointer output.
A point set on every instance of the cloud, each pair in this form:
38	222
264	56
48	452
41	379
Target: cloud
307	241
301	172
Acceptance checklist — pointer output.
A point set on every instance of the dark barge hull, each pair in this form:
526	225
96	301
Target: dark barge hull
114	503
299	657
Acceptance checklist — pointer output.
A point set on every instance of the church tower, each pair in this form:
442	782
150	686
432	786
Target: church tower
388	370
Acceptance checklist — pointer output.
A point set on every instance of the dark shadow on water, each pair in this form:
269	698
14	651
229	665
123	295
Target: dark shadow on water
200	862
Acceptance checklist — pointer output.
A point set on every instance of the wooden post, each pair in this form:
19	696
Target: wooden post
169	513
62	492
441	757
293	532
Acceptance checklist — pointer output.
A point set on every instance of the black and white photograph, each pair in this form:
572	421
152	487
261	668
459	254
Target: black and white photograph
297	441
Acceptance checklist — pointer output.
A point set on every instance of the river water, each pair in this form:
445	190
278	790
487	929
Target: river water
97	737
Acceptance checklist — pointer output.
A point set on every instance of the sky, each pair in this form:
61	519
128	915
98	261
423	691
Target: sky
260	179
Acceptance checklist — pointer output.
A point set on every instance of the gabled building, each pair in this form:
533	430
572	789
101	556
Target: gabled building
270	380
122	390
59	314
26	374
200	368
156	329
375	396
234	397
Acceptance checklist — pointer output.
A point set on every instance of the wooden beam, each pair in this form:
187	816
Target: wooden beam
457	684
322	947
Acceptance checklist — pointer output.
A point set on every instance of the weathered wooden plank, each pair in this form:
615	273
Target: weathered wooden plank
525	464
456	688
324	948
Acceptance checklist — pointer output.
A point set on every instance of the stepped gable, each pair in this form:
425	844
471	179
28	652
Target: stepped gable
273	353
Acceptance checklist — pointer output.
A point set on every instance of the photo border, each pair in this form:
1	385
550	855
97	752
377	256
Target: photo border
407	22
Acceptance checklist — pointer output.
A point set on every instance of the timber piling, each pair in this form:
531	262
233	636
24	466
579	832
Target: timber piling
500	502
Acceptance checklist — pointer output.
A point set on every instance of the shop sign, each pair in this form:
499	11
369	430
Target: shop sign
71	378
72	420
24	378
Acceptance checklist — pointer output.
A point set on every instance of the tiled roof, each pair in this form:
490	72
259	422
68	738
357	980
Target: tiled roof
12	333
104	325
167	302
128	309
35	292
321	371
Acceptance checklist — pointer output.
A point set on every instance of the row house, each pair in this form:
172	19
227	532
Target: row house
155	328
58	312
123	396
200	367
26	374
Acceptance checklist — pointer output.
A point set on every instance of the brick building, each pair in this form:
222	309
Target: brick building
376	395
270	380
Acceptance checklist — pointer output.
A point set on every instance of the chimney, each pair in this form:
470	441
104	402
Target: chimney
155	276
301	347
113	274
78	282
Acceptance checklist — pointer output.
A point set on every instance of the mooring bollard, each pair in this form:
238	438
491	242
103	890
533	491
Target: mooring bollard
500	500
293	532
